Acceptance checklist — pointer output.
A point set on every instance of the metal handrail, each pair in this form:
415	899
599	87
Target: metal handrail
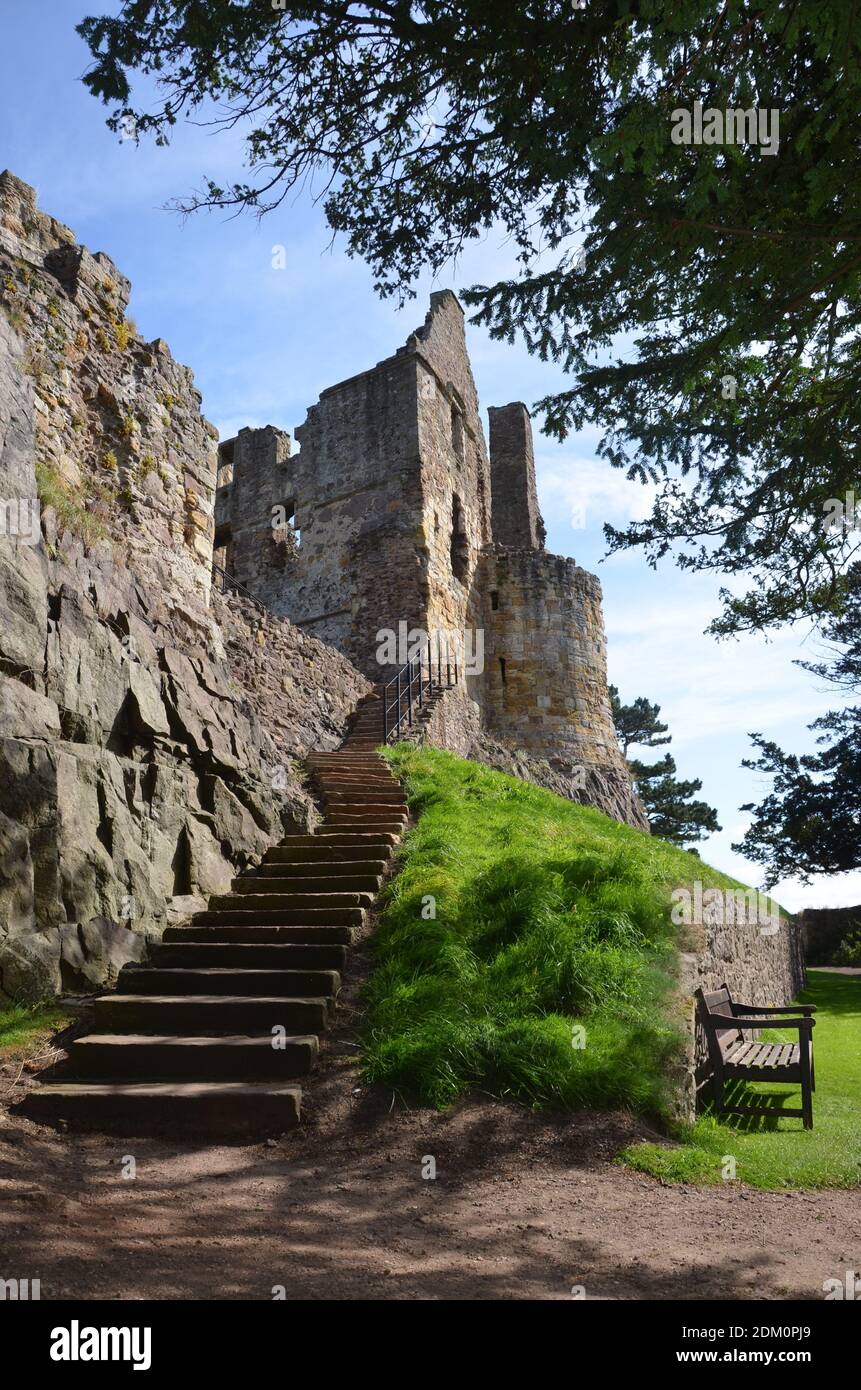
412	686
228	583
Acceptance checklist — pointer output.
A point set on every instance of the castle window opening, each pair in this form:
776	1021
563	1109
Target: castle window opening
222	549
502	668
459	543
494	599
457	432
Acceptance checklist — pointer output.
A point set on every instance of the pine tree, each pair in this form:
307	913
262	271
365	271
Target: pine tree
669	803
637	723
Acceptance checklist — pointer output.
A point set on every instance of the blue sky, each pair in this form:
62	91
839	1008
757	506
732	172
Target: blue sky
264	342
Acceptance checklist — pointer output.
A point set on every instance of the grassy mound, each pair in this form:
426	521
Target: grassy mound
829	1155
543	974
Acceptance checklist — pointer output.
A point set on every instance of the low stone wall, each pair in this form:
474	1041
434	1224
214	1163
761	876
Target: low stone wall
824	928
761	966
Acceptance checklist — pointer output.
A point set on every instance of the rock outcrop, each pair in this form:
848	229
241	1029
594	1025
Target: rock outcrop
148	728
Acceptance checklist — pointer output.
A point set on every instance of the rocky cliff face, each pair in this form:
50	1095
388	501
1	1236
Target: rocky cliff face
148	729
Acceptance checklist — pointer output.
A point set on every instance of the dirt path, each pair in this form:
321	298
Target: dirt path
521	1207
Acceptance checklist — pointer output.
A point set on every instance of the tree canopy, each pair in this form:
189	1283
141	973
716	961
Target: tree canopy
731	271
810	822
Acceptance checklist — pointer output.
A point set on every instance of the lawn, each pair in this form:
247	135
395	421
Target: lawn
23	1024
543	974
780	1153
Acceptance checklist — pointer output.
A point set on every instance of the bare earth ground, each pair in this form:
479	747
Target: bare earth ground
522	1207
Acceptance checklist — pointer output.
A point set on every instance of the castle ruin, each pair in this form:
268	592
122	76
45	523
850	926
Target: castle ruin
395	516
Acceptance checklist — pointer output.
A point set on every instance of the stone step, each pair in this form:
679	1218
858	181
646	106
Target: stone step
336	839
253	916
364	765
193	1107
209	1014
286	956
227	979
333	869
275	882
320	853
334	797
332	781
254	933
397	832
331	833
339	820
342	757
159	1056
291	902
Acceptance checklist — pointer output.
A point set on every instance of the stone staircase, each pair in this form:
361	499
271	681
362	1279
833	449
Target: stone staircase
215	1031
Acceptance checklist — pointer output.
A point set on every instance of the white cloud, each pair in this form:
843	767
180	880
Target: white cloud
580	486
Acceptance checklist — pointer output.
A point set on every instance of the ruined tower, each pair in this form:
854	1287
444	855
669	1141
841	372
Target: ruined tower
395	513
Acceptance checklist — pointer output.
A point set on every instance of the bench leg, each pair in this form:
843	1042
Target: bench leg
717	1092
807	1081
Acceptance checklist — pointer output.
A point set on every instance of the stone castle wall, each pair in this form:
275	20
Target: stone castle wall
517	521
148	728
546	655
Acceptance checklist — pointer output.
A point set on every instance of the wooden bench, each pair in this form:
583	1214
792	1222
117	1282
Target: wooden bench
735	1055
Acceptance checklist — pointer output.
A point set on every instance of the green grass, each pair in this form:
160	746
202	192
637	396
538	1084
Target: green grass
22	1024
780	1153
548	915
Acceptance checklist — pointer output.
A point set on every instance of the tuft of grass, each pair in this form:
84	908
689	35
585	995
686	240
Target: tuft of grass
549	917
774	1152
22	1024
55	492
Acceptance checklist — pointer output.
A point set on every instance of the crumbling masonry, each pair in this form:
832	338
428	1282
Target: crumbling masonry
393	512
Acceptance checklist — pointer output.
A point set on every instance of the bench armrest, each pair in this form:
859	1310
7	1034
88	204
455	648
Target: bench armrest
788	1009
802	1024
